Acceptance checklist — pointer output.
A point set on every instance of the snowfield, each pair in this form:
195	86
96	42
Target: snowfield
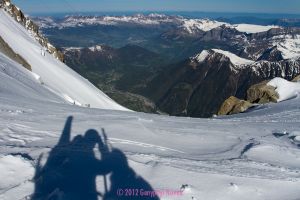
251	28
194	25
249	156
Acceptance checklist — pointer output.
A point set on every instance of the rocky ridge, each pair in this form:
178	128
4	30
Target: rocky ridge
20	17
199	85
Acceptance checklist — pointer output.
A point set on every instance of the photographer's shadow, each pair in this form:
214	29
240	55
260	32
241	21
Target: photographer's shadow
71	169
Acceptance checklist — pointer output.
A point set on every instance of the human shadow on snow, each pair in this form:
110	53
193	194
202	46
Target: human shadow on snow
71	169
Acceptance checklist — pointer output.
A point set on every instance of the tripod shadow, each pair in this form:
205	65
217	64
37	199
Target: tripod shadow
71	169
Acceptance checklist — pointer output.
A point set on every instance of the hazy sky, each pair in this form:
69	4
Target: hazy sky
252	6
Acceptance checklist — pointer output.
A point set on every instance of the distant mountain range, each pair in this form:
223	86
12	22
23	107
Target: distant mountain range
172	64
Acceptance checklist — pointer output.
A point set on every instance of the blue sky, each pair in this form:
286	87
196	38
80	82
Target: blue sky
249	6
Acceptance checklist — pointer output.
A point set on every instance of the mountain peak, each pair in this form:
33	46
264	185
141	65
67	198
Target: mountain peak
234	59
31	27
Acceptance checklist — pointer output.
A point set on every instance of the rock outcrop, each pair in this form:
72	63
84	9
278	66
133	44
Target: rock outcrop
296	79
262	93
272	54
234	105
6	50
19	16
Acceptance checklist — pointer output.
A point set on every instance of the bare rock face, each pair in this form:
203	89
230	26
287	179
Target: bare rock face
272	54
6	50
30	26
262	93
296	79
234	105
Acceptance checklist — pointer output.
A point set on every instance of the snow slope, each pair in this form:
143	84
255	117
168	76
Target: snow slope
18	82
289	46
55	75
192	25
201	56
285	89
253	155
236	60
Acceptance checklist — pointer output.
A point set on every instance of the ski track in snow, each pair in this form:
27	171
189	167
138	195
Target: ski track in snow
145	145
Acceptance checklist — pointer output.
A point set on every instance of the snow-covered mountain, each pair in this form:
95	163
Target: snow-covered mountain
288	68
253	155
249	40
179	89
51	72
189	25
